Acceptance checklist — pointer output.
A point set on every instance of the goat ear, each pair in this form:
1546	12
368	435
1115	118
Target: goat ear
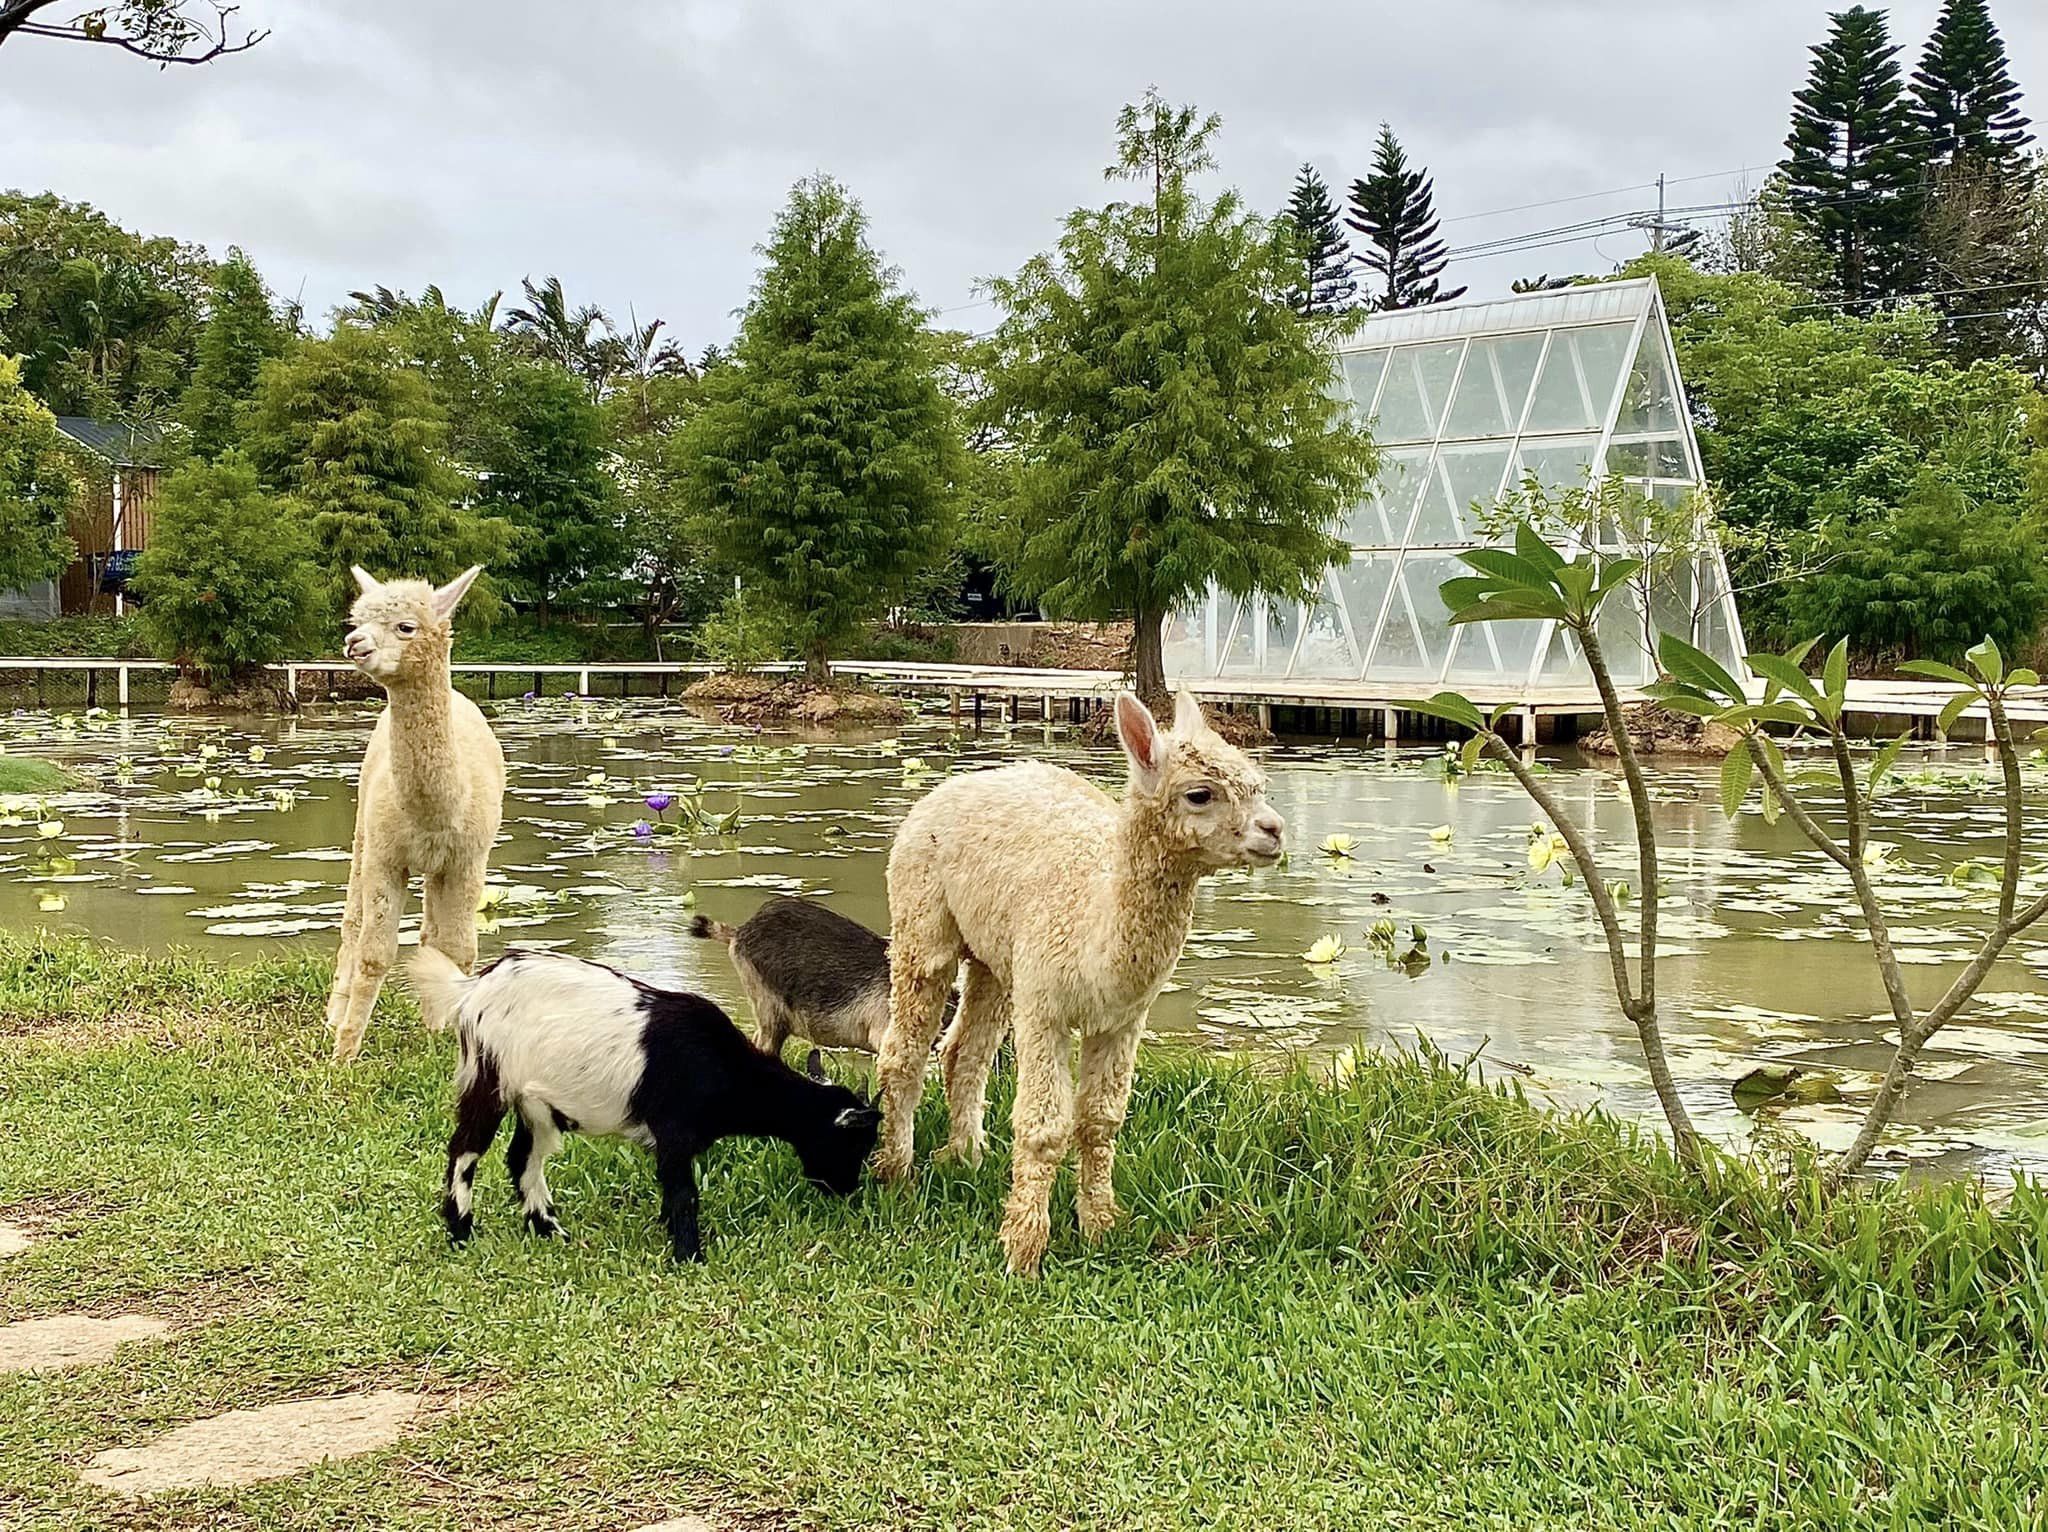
365	581
1139	735
1187	715
852	1116
448	595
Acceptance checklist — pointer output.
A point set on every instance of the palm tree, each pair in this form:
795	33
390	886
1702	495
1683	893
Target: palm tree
578	339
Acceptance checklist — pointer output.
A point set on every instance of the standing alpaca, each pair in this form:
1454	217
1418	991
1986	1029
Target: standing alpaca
1068	909
428	800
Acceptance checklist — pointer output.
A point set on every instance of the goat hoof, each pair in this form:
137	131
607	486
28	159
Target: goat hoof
459	1230
543	1224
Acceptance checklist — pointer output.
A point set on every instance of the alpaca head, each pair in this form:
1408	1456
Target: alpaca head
398	629
1203	795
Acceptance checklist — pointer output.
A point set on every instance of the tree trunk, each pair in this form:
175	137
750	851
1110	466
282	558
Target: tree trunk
1148	657
817	666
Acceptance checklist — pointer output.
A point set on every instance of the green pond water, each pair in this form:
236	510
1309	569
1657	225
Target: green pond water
1762	959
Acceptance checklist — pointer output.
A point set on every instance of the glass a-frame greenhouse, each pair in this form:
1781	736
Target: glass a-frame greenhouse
1467	400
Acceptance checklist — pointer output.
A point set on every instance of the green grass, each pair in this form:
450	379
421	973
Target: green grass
26	774
111	637
1407	1301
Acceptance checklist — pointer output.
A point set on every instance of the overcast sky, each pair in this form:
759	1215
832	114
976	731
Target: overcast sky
642	152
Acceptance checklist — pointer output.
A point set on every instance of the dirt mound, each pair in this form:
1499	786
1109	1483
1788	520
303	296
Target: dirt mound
1241	729
256	695
766	699
1080	646
1657	731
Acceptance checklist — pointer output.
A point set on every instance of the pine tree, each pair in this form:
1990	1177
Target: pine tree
1324	284
1395	209
352	436
1851	170
824	450
241	333
1966	102
1171	412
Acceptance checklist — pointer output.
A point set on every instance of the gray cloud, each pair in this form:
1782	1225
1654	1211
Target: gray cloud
642	151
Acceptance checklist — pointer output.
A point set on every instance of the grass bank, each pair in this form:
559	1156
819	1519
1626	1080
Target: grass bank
1402	1301
26	774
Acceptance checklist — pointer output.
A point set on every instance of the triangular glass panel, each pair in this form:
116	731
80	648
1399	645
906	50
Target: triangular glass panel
1328	645
1383	521
1562	662
1650	402
1282	632
1494	386
1465	473
1653	458
1623	640
1559	463
1361	587
1579	378
1421	575
1515	643
1417	388
1240	641
1182	650
1362	371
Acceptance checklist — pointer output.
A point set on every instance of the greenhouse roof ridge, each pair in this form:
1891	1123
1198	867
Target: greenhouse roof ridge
1595	303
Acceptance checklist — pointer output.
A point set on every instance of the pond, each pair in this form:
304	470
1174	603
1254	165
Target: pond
232	837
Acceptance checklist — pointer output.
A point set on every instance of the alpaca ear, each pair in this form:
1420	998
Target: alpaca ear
448	595
1188	720
365	581
1139	735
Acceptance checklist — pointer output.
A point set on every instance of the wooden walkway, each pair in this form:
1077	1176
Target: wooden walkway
1378	707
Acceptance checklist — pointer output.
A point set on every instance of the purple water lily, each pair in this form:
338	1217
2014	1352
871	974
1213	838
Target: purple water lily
642	830
660	802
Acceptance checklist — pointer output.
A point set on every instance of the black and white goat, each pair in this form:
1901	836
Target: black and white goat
569	1046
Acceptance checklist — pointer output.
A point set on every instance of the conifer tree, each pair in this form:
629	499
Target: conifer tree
1395	209
1966	103
824	450
1851	170
242	332
1171	413
1323	260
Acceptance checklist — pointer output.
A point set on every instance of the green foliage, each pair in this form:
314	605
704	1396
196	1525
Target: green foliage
1395	209
1171	412
1310	221
353	437
544	475
826	454
241	333
743	634
228	581
1965	98
1932	579
39	487
105	320
113	637
1850	166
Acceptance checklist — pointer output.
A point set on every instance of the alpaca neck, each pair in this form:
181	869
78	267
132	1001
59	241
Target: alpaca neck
422	742
1153	889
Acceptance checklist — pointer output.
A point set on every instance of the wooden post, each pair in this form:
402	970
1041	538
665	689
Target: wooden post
490	685
92	686
582	683
953	703
121	684
1045	708
1528	730
537	683
1391	729
1266	716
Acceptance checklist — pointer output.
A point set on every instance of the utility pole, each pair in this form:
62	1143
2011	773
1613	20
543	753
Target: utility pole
1658	226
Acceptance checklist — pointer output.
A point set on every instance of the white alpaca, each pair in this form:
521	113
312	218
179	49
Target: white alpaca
1068	909
428	801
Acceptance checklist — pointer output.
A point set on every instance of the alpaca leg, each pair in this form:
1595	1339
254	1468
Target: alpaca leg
383	897
351	934
965	1056
448	914
1107	1062
919	977
1042	1130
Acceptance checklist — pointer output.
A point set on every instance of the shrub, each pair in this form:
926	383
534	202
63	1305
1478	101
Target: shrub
37	486
229	580
1931	580
742	635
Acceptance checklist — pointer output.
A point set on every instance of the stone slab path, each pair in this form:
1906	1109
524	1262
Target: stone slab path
679	1524
246	1446
72	1340
14	1239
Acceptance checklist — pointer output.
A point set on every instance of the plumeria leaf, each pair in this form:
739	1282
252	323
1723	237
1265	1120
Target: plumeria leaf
1451	707
1935	670
1886	759
1834	675
1736	772
1775	667
1985	659
1529	545
1468	756
1954	709
1697	668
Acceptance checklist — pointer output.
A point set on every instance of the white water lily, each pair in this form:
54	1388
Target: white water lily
595	779
212	784
1338	845
1325	949
258	754
50	829
208	752
1540	854
1877	854
914	763
50	901
1441	834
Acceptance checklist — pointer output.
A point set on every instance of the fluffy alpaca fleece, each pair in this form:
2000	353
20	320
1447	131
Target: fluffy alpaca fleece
1068	909
569	1046
428	801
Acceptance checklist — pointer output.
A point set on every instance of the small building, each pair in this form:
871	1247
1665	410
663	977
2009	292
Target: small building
123	467
1466	400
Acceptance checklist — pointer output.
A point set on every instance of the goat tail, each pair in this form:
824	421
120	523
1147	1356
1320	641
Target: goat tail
440	984
704	928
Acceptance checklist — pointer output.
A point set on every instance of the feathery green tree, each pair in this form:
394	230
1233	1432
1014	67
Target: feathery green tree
38	487
1172	413
242	332
824	451
1966	103
1395	209
545	474
1323	259
1851	170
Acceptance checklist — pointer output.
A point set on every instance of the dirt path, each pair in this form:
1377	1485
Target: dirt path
245	1446
72	1340
14	1239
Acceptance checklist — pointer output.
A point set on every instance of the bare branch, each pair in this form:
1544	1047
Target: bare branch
162	46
